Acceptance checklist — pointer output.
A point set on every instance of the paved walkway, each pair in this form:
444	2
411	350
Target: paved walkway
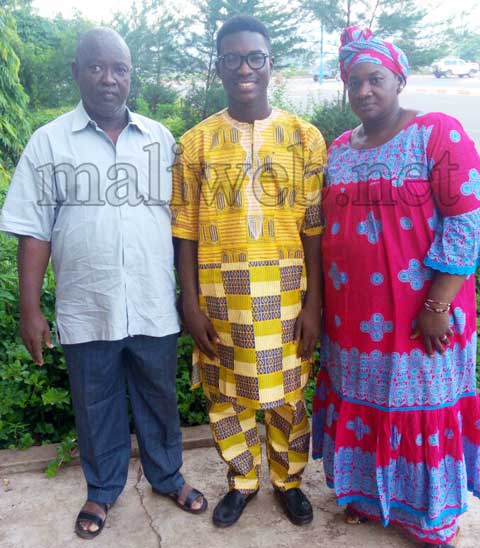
36	512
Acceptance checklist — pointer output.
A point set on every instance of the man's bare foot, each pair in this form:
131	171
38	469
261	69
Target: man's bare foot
97	510
196	504
187	498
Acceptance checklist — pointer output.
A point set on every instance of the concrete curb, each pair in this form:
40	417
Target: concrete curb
444	91
37	458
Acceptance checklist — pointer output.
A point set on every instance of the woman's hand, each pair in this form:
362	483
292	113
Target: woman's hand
435	329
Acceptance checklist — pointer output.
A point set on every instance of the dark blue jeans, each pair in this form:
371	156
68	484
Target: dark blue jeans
99	373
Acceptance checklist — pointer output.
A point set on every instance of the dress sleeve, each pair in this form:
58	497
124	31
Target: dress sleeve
456	247
185	201
313	183
455	177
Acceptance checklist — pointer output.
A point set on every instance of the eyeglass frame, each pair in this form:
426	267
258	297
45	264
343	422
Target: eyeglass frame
244	58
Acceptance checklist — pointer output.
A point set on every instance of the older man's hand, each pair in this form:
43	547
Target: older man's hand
34	331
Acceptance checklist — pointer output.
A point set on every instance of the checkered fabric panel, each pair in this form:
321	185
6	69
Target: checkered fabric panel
236	438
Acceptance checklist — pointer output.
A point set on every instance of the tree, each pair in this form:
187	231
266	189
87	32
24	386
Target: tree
154	35
14	127
467	45
399	21
282	23
333	14
47	51
402	22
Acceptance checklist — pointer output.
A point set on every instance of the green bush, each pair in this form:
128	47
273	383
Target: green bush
39	118
34	401
35	405
332	120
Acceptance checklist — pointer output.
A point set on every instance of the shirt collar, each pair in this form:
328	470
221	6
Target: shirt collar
136	120
81	120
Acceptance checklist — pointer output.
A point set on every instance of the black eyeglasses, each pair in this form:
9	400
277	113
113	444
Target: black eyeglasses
233	61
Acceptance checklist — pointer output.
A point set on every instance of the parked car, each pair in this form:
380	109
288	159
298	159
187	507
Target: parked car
330	70
453	66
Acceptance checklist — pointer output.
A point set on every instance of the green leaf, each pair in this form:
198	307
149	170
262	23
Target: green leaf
56	396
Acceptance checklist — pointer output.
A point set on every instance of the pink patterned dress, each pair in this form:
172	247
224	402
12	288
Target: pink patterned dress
399	431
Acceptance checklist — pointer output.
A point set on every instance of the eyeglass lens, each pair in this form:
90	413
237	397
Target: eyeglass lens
255	61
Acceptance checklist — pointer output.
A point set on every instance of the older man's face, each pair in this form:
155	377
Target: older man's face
103	76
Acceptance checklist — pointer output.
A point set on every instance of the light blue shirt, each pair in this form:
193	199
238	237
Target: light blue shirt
104	208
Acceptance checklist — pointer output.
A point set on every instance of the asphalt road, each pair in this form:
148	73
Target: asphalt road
459	97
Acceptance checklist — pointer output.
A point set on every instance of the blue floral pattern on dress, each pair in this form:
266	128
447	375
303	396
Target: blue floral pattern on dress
406	223
414	486
416	274
395	438
433	439
376	278
370	228
456	248
472	186
337	320
392	160
418	380
459	319
335	228
338	278
321	392
472	462
434	220
359	428
449	433
332	415
455	136
414	524
419	440
376	327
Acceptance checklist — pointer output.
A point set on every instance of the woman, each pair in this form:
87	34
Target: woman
396	412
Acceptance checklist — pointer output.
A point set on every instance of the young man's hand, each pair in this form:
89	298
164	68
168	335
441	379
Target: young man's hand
307	330
201	329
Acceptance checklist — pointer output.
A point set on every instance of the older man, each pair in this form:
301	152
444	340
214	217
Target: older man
91	190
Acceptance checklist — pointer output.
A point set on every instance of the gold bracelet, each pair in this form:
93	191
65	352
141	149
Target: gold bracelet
432	301
431	308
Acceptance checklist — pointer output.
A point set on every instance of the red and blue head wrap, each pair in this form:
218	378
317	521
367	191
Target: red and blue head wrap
359	46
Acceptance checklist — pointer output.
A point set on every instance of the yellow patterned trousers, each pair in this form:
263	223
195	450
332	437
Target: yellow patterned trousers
236	437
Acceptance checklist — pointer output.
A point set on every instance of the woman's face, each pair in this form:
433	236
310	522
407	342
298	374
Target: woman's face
373	91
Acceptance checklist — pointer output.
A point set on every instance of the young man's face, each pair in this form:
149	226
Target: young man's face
245	84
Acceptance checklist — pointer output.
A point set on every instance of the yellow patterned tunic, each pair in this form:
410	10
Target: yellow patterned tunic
246	193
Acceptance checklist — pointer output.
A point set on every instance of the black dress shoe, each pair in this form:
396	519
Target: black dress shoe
230	508
296	505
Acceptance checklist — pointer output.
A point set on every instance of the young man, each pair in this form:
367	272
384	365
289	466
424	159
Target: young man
246	218
81	192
